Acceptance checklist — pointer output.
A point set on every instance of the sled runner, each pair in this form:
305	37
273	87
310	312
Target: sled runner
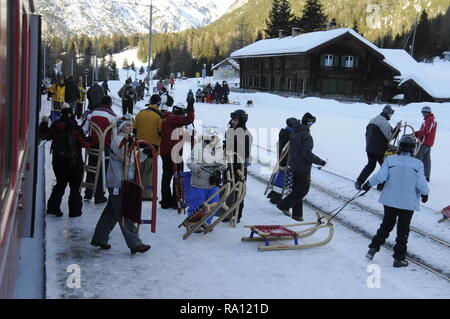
269	233
132	189
206	210
101	158
238	190
445	214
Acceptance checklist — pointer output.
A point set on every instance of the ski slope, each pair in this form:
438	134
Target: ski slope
219	265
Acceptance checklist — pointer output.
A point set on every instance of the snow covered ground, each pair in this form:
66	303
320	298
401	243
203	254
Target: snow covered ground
219	265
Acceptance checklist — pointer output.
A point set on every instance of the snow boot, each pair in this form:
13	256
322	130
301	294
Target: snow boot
371	253
400	263
357	185
102	246
140	249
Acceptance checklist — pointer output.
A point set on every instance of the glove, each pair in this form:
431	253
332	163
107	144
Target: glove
216	178
366	187
323	163
424	198
399	124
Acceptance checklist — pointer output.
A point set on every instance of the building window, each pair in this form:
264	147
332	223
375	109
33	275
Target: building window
277	82
348	61
328	60
266	64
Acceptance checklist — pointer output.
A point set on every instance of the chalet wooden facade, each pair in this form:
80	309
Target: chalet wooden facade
337	64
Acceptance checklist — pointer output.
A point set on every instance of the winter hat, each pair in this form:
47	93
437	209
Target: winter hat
155	99
126	119
407	143
66	111
308	118
388	109
426	109
290	122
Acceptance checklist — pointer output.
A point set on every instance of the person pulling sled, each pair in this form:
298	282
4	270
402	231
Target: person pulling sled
404	180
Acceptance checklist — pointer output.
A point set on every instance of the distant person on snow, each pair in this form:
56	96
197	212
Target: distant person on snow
105	87
128	95
426	134
404	182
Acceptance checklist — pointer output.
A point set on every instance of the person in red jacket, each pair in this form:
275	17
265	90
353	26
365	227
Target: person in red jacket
103	116
179	117
426	134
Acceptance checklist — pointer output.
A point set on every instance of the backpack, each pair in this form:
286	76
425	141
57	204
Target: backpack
129	93
64	148
169	100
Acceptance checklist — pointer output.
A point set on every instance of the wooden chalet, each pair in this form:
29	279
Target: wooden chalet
337	63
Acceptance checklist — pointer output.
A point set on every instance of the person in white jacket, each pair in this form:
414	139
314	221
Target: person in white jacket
404	183
112	212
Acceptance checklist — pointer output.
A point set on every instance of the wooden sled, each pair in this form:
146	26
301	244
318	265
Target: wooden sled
283	232
393	143
445	214
198	219
101	158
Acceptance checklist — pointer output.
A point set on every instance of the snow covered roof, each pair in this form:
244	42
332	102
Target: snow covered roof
434	78
296	44
229	60
401	60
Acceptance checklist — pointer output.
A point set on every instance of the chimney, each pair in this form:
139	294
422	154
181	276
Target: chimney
296	31
281	34
332	25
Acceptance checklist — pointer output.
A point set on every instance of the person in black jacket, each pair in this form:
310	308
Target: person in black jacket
378	134
67	140
95	95
301	159
106	87
283	138
72	92
238	142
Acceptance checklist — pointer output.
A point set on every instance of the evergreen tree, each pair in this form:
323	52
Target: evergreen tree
259	35
422	46
313	18
273	23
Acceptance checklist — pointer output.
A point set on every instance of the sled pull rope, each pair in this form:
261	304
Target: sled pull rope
358	194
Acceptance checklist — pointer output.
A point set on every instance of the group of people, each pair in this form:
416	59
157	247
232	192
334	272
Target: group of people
74	93
155	125
218	94
402	178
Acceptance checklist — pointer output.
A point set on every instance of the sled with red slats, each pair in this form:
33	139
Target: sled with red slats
445	214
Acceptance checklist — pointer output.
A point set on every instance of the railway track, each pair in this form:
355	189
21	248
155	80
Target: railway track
358	205
414	258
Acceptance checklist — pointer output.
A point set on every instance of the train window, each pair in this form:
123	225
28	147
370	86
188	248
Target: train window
5	101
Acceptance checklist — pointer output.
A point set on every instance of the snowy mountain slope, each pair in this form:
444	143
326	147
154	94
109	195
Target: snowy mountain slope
104	17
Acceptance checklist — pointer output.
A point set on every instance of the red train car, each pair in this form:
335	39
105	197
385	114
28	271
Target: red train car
19	107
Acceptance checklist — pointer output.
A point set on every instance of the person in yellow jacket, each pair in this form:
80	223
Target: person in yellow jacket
148	128
57	91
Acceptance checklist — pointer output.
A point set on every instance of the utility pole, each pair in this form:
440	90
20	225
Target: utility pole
149	72
414	39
